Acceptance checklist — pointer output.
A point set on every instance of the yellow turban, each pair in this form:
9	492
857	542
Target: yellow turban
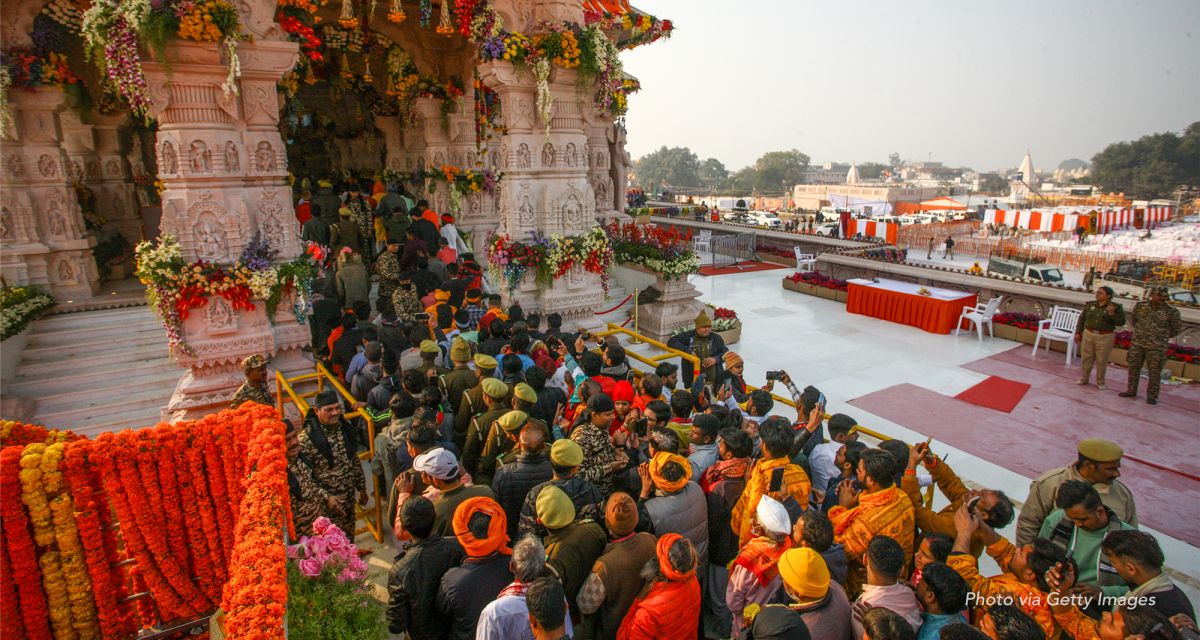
660	460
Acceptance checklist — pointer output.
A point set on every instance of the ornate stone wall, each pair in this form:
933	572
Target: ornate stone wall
42	231
222	161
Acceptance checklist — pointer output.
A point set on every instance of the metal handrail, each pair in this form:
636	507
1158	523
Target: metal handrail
372	516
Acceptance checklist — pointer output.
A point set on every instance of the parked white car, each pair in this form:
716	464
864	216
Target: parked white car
827	229
765	219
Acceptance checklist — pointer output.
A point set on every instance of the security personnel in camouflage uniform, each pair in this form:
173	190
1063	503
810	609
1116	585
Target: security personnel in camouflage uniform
471	403
405	301
1154	324
1094	334
363	217
308	499
494	392
388	268
254	389
328	442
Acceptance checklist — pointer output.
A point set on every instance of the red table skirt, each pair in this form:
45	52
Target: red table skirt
931	314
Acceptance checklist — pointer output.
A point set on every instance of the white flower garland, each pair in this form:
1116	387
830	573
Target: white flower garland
6	117
230	86
545	101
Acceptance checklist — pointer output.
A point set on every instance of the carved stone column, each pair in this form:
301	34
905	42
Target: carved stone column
44	239
546	186
437	147
393	140
222	161
599	163
117	196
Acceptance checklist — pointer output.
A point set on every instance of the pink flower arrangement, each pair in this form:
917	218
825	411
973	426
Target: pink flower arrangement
328	549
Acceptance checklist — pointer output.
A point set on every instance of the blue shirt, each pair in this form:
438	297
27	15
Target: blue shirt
356	364
702	458
931	624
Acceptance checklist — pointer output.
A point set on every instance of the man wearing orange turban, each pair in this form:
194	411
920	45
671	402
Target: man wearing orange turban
678	505
481	528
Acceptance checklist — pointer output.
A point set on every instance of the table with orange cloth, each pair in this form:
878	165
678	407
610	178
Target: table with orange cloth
900	302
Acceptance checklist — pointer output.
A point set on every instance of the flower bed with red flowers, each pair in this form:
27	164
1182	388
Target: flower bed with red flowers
201	507
1019	320
818	279
1175	351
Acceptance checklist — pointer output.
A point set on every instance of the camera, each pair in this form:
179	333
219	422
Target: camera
774	375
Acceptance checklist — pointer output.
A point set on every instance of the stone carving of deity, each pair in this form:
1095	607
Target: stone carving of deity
6	224
571	158
548	154
210	237
439	159
168	158
494	160
47	166
264	157
221	317
16	166
66	273
523	157
232	163
112	168
201	157
602	201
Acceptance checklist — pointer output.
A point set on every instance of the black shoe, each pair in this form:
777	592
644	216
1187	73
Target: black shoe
1151	401
1127	394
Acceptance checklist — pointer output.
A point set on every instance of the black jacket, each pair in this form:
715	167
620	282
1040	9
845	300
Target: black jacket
588	501
379	397
722	540
684	341
512	483
413	585
426	232
466	590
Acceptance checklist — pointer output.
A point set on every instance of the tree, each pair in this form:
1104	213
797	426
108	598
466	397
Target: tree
776	170
993	184
894	160
712	172
871	170
676	166
1153	166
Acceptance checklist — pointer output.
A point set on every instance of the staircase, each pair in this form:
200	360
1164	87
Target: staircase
97	371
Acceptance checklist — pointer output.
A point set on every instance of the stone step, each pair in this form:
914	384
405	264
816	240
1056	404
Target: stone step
117	388
99	335
91	378
118	360
156	342
106	409
93	318
134	418
65	334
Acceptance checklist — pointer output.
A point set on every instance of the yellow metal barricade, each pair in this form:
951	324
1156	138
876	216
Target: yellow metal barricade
286	391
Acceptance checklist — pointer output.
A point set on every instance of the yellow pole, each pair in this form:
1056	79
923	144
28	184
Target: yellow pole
635	340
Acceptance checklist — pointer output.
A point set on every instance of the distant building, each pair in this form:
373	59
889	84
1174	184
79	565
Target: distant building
880	198
1020	185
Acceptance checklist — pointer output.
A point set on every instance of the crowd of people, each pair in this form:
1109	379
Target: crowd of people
536	485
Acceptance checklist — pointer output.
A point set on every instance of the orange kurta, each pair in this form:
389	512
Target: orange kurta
795	484
886	512
1030	600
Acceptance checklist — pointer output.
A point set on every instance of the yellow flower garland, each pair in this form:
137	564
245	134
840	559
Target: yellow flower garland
52	516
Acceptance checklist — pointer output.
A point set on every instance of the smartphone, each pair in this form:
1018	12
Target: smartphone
971	504
422	317
776	480
639	427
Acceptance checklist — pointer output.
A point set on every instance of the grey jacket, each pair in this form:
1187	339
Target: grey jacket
684	512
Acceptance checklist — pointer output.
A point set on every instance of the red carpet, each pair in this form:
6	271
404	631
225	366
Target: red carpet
996	393
744	267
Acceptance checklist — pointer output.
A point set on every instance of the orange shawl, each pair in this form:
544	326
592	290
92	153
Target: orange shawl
886	512
760	557
795	484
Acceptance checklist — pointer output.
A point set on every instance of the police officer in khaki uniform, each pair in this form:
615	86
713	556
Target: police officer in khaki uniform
1094	334
1099	464
1154	324
501	439
461	378
471	403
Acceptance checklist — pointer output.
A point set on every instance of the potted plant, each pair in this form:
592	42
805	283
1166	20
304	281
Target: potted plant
727	324
328	592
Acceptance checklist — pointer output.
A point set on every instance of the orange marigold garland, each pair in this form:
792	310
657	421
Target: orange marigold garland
68	545
10	608
145	606
255	597
157	460
113	614
124	490
204	506
215	470
19	548
204	561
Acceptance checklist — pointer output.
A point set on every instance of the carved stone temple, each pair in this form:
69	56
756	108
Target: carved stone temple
231	144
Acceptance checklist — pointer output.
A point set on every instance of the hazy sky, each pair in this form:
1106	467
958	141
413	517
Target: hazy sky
966	83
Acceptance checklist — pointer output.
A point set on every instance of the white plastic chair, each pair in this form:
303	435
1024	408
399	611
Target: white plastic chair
1059	326
804	261
702	242
980	315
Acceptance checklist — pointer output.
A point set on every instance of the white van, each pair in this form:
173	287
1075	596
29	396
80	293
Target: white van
765	219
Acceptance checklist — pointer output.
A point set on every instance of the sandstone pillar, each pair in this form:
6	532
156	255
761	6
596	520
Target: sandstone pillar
44	238
546	186
223	164
116	199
